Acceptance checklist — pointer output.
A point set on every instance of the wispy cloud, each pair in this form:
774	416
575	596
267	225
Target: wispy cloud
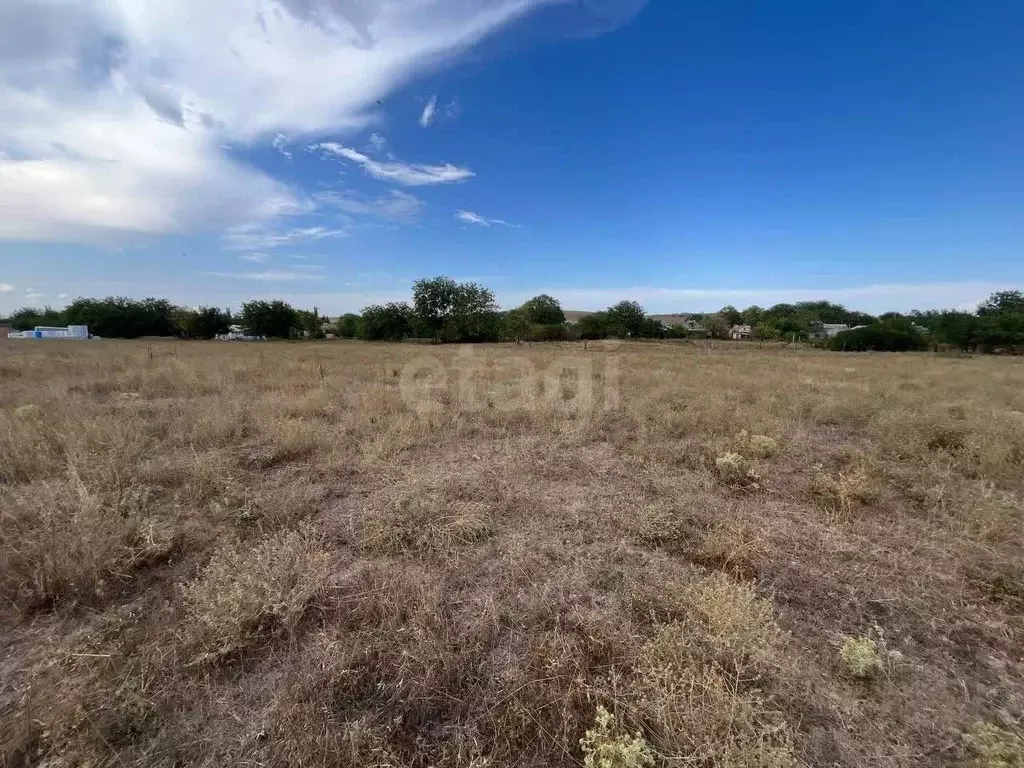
395	206
482	221
280	143
7	288
258	238
254	257
377	142
429	112
270	275
406	174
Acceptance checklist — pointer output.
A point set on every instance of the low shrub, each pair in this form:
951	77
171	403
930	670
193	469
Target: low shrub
606	747
879	337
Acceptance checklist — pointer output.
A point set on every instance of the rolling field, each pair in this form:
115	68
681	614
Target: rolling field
351	554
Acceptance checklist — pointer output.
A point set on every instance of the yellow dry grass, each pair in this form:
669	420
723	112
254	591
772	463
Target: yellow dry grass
348	554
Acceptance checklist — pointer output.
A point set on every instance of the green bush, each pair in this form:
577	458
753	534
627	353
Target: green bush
879	337
550	332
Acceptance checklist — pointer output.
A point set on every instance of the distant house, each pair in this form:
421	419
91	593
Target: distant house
827	330
738	332
688	323
236	333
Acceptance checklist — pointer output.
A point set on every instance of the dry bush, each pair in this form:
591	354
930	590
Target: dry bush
62	542
756	446
842	490
734	469
860	657
425	524
604	746
702	713
995	747
244	591
657	524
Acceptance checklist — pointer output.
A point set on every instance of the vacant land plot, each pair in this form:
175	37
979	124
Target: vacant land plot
644	554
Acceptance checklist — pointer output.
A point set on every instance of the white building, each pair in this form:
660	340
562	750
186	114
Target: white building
51	332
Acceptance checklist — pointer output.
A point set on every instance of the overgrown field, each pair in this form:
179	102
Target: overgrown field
292	555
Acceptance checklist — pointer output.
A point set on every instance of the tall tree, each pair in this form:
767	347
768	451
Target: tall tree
1002	302
731	315
450	311
387	322
626	319
543	310
203	322
272	319
349	326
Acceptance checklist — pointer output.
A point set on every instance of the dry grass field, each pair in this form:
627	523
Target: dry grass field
299	555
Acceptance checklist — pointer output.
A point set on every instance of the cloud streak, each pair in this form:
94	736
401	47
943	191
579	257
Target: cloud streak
406	174
429	112
258	238
469	217
395	206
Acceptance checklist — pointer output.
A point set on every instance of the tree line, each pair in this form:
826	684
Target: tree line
444	310
117	317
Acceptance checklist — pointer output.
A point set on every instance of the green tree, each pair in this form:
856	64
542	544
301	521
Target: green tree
959	329
434	301
311	324
349	326
765	332
271	319
626	319
387	322
543	310
753	315
120	317
1002	302
450	311
517	325
716	326
731	315
27	318
202	322
594	326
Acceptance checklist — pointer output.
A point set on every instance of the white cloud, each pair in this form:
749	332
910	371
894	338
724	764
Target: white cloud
280	143
115	114
396	205
62	295
270	275
481	221
33	296
377	142
429	112
870	298
254	257
409	175
257	237
6	288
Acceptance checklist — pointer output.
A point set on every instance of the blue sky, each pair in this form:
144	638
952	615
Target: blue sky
685	154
